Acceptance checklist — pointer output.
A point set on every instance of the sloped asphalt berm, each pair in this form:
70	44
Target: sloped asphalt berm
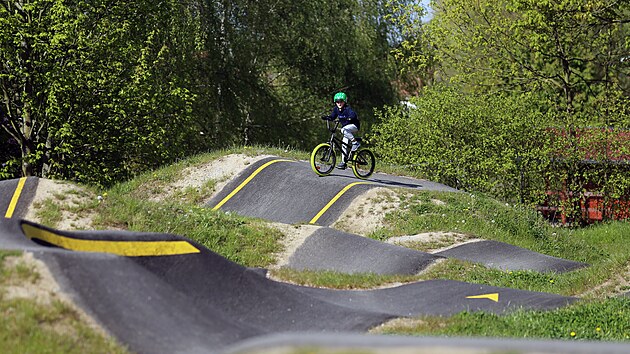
334	250
494	254
329	249
288	191
169	294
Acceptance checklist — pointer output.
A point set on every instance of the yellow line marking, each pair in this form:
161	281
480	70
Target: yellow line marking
237	189
121	248
332	201
16	197
494	297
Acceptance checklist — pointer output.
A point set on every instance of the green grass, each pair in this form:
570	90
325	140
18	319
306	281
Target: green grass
135	206
605	247
246	241
336	280
594	320
26	326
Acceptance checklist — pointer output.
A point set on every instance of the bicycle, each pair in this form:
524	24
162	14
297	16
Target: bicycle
324	159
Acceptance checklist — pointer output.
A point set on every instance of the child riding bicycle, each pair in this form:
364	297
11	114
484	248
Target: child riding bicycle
349	125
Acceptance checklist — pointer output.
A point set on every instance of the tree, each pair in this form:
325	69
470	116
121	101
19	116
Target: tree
485	143
88	90
29	50
414	55
574	49
272	67
98	91
569	54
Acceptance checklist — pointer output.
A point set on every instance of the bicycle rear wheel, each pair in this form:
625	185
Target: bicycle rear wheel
363	163
323	159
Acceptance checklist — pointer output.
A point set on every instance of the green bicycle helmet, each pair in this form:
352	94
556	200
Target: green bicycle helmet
340	96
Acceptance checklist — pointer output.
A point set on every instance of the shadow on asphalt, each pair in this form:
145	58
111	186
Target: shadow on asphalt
388	183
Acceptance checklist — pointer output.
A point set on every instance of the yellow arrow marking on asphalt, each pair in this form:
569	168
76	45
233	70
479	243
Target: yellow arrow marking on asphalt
237	189
494	297
121	248
16	197
332	201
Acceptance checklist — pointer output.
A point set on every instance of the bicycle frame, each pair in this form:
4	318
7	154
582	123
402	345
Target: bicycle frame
337	143
323	157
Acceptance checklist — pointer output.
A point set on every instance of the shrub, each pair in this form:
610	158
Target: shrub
488	143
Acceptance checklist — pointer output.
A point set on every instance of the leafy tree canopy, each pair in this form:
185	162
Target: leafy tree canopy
98	91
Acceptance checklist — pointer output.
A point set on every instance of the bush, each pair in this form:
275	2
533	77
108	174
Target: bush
488	143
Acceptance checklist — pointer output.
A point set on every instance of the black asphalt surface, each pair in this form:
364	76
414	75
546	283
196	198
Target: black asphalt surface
329	249
202	302
440	298
7	191
494	254
184	303
290	192
334	250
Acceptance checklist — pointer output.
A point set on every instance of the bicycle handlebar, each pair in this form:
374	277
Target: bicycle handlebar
329	123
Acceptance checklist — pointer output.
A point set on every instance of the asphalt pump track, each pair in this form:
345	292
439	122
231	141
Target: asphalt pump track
165	293
287	191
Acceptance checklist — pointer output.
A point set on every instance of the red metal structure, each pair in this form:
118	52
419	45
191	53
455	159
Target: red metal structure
582	161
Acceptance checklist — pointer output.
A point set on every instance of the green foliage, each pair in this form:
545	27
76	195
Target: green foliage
414	55
266	80
93	87
100	91
510	146
560	66
573	49
486	143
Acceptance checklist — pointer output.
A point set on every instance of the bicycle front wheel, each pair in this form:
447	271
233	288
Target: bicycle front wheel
363	163
323	159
